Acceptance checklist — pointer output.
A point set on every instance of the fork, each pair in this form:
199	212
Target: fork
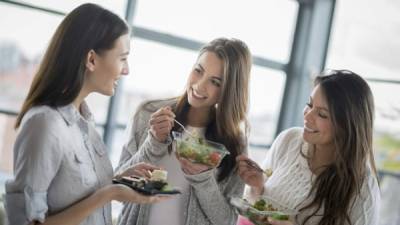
267	172
184	129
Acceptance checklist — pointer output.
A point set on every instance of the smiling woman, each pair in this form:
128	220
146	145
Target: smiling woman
325	170
62	174
213	106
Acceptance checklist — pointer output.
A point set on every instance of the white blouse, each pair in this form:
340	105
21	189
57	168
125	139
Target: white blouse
291	181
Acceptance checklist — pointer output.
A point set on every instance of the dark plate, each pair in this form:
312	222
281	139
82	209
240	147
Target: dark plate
145	190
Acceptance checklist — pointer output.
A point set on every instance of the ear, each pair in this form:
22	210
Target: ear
90	60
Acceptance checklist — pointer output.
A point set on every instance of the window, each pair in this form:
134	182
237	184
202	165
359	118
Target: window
367	45
266	26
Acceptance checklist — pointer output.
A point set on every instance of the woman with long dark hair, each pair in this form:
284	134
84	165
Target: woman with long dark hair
326	169
62	171
213	106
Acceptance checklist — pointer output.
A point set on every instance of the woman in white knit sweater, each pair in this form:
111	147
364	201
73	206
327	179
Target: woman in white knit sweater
326	169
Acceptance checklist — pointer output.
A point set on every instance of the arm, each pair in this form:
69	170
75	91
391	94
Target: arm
78	212
151	150
213	201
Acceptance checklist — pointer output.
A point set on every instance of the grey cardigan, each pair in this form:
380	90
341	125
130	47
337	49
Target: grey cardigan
207	200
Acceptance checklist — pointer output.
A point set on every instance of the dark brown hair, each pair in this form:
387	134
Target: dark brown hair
227	117
351	107
60	76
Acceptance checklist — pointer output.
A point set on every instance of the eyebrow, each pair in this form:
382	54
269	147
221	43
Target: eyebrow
124	53
214	77
318	107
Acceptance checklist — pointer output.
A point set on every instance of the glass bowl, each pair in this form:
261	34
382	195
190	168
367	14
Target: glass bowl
199	150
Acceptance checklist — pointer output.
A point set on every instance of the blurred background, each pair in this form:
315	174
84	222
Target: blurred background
291	41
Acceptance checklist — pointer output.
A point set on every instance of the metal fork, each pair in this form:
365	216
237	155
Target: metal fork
184	129
267	172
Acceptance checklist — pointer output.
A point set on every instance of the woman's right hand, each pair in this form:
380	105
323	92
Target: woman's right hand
249	174
161	123
123	193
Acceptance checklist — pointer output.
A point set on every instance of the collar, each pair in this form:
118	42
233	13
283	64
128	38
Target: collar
71	115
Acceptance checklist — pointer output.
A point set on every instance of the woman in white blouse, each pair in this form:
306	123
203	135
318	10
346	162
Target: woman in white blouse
326	169
62	172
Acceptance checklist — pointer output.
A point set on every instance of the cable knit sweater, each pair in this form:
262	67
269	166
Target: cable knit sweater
291	181
207	200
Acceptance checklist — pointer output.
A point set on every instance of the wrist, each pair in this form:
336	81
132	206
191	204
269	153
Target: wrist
257	190
107	193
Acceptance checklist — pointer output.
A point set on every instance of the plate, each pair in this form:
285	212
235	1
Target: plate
145	187
258	217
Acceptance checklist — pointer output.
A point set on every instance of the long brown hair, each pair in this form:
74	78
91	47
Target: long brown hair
60	76
230	114
351	107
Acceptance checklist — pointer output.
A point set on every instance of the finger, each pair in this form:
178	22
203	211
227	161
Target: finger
167	110
148	166
161	118
241	157
162	125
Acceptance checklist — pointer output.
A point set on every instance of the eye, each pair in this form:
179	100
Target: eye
124	59
216	82
322	115
197	70
309	105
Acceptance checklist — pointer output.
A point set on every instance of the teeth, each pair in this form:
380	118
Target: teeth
197	94
116	83
309	129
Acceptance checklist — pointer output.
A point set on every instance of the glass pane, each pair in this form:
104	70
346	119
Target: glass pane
21	47
117	6
266	92
387	126
368	45
156	71
7	138
266	26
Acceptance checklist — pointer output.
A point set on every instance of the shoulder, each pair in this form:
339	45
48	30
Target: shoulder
146	108
292	135
41	118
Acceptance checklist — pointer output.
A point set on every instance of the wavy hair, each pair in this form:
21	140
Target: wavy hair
228	124
351	107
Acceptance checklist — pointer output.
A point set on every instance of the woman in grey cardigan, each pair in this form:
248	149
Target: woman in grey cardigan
213	106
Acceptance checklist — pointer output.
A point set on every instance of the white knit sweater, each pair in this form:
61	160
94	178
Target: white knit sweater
292	179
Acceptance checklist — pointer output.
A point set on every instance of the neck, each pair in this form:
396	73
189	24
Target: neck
198	117
78	100
321	157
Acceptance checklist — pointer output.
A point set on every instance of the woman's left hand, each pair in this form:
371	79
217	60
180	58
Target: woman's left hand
191	168
279	222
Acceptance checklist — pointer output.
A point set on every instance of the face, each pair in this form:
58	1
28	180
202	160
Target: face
109	66
318	129
205	81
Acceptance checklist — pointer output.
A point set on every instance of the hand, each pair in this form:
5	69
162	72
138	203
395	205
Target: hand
123	193
191	168
161	123
279	222
141	169
249	174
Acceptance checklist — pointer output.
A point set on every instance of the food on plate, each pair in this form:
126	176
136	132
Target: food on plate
262	209
156	184
199	150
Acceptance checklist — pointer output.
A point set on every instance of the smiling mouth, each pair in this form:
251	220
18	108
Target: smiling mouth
310	130
197	95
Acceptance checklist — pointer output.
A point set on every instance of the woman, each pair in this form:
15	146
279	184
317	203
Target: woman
213	106
326	169
62	172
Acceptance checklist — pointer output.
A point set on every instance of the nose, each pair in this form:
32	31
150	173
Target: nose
125	70
307	114
201	84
